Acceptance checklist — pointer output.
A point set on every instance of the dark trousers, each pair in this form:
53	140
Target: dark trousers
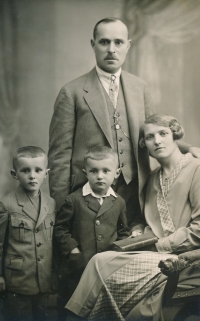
66	289
129	192
19	307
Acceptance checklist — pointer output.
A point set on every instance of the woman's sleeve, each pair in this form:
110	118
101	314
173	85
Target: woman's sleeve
186	238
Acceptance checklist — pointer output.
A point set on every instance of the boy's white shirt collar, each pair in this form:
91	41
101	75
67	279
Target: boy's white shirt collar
87	190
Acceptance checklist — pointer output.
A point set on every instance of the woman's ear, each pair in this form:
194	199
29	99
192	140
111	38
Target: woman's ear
14	174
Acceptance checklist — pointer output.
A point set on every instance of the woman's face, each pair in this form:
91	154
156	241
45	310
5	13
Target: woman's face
159	140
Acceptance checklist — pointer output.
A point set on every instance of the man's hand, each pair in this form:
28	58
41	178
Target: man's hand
75	250
195	151
135	233
2	284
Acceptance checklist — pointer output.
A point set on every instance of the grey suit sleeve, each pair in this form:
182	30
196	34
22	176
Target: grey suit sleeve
61	136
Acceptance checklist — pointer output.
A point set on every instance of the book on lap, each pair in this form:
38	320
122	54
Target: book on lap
134	243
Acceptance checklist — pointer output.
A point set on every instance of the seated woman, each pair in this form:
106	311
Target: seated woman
114	284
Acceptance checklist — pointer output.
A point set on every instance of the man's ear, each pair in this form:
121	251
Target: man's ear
84	172
129	45
92	44
118	171
47	172
14	174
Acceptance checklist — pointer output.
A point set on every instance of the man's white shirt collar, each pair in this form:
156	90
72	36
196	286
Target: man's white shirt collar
87	190
105	78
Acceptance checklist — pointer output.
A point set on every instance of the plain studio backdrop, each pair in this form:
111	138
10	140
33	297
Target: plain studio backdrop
46	43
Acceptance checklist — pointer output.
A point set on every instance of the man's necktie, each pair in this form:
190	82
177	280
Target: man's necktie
112	90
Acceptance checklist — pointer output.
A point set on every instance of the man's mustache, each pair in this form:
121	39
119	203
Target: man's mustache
110	57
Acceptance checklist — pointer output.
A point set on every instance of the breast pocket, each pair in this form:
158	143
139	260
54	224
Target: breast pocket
49	224
21	229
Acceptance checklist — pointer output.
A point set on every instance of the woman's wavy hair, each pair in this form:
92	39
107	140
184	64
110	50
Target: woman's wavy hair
165	121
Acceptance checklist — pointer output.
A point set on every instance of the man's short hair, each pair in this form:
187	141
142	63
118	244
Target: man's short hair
27	151
105	20
99	153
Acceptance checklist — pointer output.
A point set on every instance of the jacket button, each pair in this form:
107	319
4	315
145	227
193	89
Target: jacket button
39	244
122	165
99	237
36	230
39	259
121	152
120	139
97	223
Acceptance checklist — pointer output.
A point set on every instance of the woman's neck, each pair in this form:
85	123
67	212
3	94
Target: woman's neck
168	164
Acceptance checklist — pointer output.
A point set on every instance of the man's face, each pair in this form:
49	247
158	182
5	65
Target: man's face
101	174
111	46
31	172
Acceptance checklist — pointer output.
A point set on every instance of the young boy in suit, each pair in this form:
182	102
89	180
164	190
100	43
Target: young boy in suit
27	217
89	221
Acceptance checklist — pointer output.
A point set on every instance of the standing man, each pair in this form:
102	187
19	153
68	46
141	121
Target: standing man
106	106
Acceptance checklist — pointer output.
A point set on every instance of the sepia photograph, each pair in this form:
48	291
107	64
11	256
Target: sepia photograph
100	160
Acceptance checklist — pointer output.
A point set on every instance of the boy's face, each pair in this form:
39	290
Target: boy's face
101	174
31	172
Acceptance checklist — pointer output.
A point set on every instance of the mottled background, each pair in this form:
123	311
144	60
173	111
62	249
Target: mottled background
46	43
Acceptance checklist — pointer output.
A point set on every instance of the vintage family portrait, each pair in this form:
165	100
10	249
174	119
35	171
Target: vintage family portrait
100	160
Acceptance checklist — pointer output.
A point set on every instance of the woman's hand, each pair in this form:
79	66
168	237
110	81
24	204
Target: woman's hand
135	233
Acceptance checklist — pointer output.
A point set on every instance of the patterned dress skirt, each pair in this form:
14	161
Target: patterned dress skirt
113	283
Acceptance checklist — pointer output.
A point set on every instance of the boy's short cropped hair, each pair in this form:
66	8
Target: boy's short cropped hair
28	151
101	152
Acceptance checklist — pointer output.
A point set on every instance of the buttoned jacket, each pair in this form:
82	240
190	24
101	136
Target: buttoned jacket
26	243
81	121
82	222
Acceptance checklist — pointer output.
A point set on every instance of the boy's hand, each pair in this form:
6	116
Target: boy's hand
135	233
75	250
2	284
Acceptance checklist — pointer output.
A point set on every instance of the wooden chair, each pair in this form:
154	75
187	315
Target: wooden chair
182	303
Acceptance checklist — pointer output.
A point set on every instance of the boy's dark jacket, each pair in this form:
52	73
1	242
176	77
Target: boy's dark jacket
26	243
82	222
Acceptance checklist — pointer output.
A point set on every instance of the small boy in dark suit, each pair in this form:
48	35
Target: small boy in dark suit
27	217
89	221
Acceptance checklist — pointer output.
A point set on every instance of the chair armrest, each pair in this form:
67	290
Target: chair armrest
172	265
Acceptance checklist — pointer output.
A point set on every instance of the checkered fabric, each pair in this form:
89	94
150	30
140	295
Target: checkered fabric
166	221
127	286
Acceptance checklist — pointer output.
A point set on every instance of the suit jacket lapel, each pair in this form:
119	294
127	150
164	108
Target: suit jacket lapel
94	96
107	204
44	209
131	100
27	206
93	203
